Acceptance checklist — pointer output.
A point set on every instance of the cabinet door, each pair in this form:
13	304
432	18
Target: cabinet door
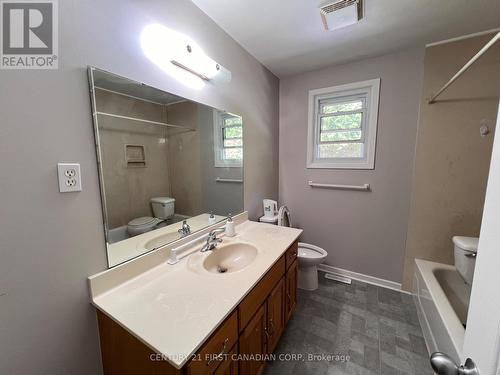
253	344
291	254
258	295
229	367
275	315
291	290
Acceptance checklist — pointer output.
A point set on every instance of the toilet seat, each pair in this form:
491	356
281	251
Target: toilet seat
142	224
311	251
141	221
284	217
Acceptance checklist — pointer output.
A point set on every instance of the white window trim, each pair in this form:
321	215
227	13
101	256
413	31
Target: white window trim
372	87
219	162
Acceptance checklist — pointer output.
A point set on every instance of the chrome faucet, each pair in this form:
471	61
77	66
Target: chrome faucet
212	240
185	229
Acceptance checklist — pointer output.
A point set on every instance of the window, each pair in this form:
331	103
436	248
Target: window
228	140
343	126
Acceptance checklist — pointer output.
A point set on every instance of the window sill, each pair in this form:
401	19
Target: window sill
340	165
228	165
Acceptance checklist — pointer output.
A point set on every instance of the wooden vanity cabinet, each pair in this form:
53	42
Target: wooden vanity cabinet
243	340
275	322
291	254
123	354
277	295
260	293
262	333
253	343
291	280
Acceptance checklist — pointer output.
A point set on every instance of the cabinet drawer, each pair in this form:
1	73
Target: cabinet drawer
206	360
259	293
291	254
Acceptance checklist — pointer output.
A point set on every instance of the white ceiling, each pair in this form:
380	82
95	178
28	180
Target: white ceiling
287	36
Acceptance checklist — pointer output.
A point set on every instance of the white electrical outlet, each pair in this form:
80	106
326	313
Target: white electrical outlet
69	177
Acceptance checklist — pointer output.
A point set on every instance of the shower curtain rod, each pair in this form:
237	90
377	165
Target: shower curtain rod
143	120
465	67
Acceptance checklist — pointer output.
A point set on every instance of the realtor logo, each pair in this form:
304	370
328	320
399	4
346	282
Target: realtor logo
28	34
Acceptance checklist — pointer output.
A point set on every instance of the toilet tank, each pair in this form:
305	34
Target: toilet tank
465	256
163	207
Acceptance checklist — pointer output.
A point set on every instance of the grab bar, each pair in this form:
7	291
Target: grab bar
218	179
364	187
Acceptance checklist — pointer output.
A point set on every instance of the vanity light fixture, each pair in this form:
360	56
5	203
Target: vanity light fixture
193	60
181	65
181	57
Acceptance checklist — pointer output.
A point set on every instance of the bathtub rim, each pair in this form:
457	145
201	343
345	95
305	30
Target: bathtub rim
447	315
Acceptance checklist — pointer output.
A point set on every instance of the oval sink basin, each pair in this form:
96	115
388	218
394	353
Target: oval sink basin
230	258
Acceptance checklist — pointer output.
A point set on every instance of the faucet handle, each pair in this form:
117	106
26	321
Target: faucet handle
185	229
213	233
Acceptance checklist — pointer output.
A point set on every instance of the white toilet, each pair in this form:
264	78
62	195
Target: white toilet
465	256
163	209
309	256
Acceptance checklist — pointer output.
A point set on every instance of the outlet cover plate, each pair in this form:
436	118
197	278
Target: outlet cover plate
69	177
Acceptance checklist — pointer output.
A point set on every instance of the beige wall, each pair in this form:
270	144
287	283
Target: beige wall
362	231
50	242
129	189
184	156
452	159
193	174
192	167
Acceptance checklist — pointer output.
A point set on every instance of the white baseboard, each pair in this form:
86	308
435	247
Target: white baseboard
361	277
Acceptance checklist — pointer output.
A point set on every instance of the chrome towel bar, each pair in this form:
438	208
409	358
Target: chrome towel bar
364	187
218	179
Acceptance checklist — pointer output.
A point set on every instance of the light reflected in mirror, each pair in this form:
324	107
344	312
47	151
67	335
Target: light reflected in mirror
168	166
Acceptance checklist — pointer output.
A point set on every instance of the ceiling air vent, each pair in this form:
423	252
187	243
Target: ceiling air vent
340	13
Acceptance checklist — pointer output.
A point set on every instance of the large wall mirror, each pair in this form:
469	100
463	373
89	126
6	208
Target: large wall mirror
168	166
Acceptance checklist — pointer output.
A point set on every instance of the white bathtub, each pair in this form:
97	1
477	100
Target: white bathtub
442	300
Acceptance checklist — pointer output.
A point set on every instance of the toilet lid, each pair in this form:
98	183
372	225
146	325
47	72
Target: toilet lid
310	251
284	217
466	243
142	221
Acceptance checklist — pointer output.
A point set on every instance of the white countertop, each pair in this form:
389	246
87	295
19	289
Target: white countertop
173	309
